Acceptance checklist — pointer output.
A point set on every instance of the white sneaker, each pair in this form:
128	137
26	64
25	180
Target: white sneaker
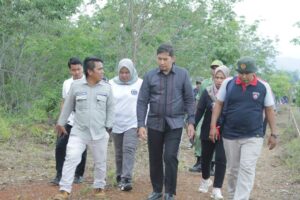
216	194
204	185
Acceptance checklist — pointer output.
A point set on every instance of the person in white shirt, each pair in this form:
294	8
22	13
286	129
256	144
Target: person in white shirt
76	71
125	87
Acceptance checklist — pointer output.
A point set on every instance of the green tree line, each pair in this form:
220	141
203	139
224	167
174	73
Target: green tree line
38	37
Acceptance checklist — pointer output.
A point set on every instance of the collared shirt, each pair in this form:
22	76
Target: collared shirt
238	81
243	115
170	97
93	107
66	88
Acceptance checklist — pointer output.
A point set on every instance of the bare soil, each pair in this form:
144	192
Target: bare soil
26	169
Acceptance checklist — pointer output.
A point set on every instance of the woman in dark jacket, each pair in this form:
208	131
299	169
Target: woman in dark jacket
205	107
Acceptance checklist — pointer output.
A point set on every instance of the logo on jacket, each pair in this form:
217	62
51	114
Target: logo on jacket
255	95
134	92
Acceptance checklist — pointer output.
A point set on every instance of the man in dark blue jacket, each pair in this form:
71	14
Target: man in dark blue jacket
168	91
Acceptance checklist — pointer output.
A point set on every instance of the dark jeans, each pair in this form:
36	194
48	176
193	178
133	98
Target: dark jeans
208	149
163	146
60	153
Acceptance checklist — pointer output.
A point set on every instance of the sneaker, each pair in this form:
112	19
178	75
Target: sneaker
62	195
78	179
126	185
118	180
204	185
99	192
155	196
56	180
197	167
216	194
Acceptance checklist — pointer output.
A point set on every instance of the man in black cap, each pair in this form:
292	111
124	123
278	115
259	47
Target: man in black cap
242	101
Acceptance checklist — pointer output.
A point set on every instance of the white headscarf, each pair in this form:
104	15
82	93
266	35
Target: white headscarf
127	63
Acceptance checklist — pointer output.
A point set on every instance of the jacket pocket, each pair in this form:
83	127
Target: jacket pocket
81	102
101	101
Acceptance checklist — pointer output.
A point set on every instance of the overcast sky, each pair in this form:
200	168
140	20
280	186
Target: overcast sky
278	17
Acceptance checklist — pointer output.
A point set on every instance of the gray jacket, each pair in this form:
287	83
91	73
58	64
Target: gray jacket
93	107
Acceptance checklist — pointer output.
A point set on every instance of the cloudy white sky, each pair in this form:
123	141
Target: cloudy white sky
278	17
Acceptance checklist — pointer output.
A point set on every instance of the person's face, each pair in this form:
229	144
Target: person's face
246	77
219	78
165	61
97	73
124	74
76	71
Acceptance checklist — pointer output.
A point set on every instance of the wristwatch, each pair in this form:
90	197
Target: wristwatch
274	135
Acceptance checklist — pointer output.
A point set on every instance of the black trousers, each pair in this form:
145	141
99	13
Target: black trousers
208	149
60	154
163	150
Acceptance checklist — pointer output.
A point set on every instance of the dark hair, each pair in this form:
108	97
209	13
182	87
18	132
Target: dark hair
74	61
165	48
89	64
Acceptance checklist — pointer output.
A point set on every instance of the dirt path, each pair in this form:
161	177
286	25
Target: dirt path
26	169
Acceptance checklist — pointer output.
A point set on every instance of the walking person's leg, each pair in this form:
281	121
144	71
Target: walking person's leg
60	153
130	142
232	152
155	148
99	152
207	154
220	166
75	148
80	168
172	142
250	152
118	145
197	145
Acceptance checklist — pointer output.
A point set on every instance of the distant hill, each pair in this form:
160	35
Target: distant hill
288	63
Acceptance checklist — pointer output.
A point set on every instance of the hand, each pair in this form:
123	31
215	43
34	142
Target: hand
213	134
61	130
191	131
142	133
272	142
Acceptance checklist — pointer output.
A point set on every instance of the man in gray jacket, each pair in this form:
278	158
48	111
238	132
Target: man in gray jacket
92	101
168	91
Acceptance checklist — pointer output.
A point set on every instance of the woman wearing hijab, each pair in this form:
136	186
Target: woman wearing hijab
125	86
204	107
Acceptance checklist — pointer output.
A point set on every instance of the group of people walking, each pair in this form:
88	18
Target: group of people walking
157	109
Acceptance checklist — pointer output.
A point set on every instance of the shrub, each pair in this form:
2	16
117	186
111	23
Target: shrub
293	155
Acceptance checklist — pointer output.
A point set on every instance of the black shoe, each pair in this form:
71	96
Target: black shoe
196	168
56	180
126	184
118	180
155	196
169	196
78	179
